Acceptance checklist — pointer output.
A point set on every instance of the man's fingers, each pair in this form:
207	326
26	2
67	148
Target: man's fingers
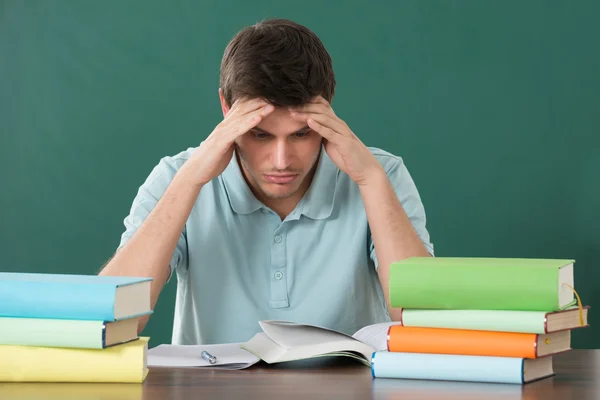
243	108
324	131
252	105
321	100
322	119
244	105
244	123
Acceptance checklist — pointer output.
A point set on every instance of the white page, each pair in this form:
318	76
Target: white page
292	335
271	352
229	356
375	335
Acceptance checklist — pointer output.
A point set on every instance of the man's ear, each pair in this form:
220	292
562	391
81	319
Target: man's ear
224	105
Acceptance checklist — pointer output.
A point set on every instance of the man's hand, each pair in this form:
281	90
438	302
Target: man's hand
214	154
344	148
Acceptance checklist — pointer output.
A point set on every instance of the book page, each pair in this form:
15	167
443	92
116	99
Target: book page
264	348
375	335
291	335
271	352
229	356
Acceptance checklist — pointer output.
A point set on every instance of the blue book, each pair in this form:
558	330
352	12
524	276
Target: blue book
79	297
449	367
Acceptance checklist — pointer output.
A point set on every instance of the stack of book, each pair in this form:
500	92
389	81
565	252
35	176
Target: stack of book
72	328
479	319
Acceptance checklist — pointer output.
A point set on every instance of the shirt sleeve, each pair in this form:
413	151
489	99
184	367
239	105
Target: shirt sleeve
409	197
144	202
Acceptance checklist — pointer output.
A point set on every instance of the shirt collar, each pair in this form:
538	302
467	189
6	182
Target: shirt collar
317	202
241	198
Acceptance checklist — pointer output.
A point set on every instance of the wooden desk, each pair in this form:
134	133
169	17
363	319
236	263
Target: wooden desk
578	377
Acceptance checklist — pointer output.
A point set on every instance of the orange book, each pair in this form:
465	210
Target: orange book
476	343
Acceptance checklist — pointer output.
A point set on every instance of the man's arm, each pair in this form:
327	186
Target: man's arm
151	247
149	251
393	234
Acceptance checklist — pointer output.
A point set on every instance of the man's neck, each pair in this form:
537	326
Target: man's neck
283	207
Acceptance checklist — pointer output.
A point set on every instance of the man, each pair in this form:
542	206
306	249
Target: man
282	212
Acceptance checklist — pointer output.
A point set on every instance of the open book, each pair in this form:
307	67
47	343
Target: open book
287	341
280	341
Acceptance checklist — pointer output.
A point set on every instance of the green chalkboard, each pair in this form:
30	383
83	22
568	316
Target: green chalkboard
494	107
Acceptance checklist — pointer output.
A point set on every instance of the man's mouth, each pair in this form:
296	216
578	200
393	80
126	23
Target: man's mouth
280	179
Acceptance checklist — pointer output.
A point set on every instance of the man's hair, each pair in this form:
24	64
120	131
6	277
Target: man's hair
278	60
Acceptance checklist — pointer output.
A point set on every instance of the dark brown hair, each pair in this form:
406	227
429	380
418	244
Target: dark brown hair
278	60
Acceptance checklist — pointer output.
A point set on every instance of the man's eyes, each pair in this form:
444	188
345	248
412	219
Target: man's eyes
263	136
260	136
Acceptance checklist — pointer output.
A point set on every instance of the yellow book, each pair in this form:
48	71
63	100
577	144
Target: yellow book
71	391
126	363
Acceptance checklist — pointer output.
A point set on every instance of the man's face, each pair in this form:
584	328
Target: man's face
278	155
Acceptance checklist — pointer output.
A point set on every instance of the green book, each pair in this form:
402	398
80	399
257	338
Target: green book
482	283
84	334
540	322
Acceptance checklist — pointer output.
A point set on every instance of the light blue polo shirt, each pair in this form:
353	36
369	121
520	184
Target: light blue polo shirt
237	263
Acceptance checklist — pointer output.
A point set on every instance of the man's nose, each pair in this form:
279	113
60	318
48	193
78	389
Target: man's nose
282	155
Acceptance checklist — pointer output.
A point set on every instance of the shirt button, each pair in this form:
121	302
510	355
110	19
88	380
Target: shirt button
278	275
278	239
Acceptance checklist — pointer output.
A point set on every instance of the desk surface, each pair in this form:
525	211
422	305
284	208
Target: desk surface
577	377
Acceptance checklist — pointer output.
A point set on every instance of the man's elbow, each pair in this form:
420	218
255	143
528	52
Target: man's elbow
142	323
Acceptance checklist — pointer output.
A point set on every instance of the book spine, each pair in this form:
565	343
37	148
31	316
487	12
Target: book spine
45	332
103	340
481	320
57	300
447	367
486	288
522	370
461	342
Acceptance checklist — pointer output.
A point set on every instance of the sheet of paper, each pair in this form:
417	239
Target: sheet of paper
229	356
